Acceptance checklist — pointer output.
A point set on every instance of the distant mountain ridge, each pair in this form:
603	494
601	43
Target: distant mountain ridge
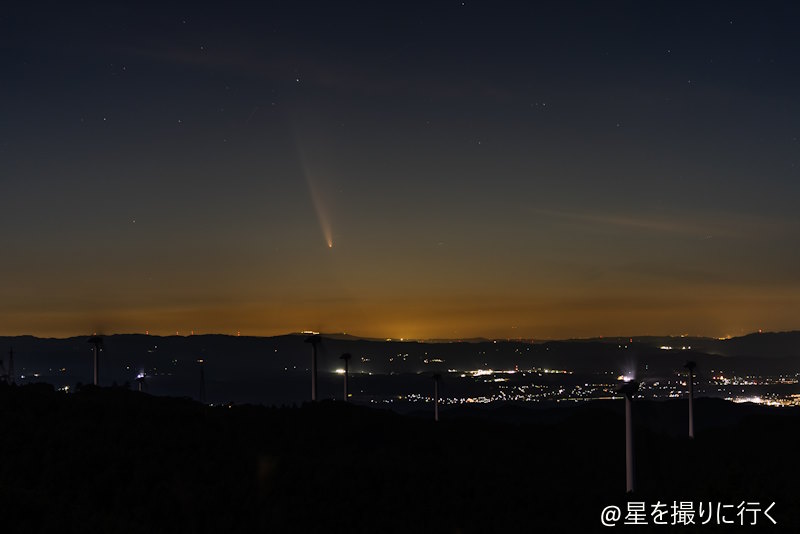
275	370
231	355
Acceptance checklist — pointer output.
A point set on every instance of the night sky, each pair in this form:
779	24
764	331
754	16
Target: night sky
488	169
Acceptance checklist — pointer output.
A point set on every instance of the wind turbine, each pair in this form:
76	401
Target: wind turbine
691	367
140	380
436	379
314	340
629	389
346	357
97	341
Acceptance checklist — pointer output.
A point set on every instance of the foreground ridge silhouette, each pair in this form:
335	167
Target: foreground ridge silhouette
115	460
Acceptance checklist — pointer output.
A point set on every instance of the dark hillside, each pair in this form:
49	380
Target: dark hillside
112	460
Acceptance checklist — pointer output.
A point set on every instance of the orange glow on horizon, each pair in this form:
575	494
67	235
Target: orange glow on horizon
415	317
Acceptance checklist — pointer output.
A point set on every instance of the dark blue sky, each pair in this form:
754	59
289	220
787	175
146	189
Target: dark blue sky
479	168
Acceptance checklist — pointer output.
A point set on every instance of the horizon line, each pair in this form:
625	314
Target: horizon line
404	339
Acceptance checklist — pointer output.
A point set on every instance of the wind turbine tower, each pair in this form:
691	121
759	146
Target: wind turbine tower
436	379
691	367
97	341
314	340
346	357
629	389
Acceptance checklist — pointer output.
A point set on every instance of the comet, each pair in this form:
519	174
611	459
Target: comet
316	197
319	208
